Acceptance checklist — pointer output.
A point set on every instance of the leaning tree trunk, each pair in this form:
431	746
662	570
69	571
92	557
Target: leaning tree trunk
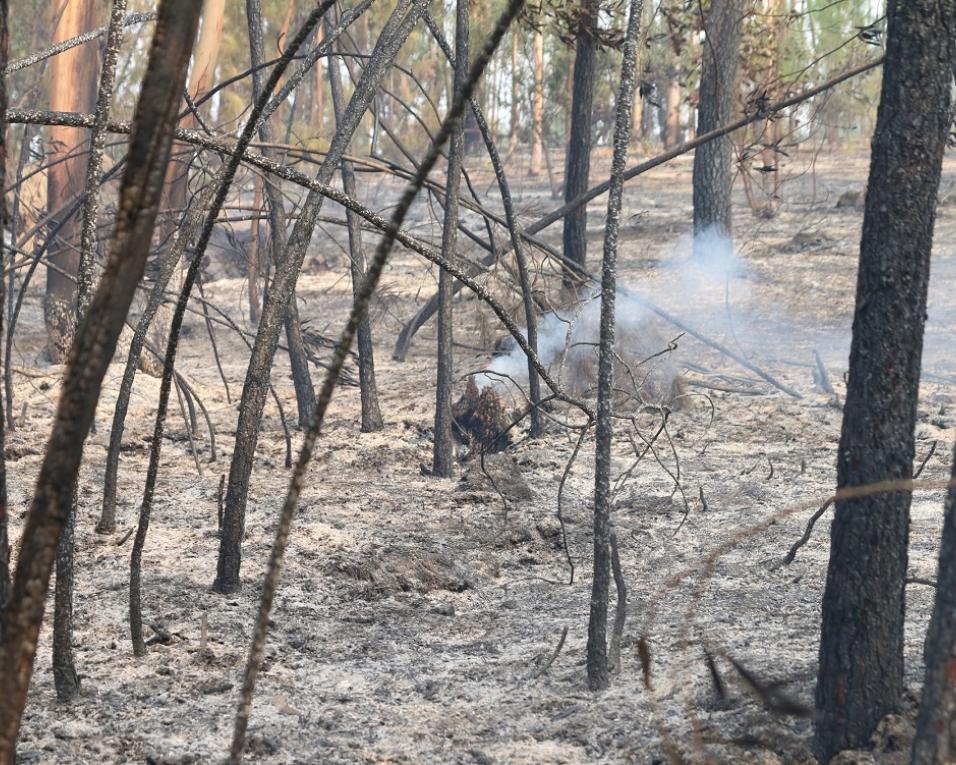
861	647
713	162
597	651
443	452
72	89
935	742
92	351
578	161
396	30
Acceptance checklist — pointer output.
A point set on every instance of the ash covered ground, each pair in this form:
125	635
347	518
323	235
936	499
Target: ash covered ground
416	615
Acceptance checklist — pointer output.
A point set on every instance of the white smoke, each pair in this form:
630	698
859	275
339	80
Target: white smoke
693	283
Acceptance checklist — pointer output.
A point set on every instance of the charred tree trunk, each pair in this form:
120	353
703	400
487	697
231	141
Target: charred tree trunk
597	650
578	161
371	412
861	646
90	356
72	89
396	30
713	162
443	453
935	742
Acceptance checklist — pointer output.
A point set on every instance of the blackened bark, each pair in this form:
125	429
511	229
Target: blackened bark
393	35
713	162
443	453
935	741
90	356
861	647
368	391
578	160
597	650
65	679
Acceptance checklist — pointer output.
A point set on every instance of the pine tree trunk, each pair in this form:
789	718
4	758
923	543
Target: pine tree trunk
578	159
443	452
537	107
861	646
72	89
713	162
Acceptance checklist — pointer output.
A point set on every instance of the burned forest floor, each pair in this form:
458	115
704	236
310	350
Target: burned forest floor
418	619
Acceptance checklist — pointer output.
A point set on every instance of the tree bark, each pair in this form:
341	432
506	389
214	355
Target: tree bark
713	162
443	452
861	647
280	293
597	650
90	356
578	160
72	89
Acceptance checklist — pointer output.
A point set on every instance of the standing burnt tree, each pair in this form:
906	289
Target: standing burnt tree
578	161
443	453
713	162
861	647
